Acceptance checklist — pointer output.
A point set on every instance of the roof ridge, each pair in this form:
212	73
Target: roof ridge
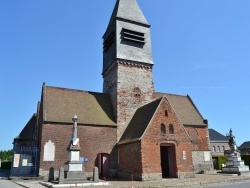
155	110
77	90
170	94
123	138
197	109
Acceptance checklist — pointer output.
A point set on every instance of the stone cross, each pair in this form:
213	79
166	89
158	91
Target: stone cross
75	119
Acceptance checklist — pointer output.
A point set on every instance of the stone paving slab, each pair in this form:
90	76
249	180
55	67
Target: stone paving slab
200	180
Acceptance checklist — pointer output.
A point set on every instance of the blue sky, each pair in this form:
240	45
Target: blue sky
200	48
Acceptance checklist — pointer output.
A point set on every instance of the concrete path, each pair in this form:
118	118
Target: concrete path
8	184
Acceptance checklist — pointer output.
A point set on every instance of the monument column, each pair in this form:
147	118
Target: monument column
74	170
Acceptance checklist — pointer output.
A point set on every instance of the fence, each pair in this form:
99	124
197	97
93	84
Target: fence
25	161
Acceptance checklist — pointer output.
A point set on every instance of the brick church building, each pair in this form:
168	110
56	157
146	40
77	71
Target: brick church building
129	128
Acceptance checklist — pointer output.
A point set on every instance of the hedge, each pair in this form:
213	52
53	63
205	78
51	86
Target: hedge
246	159
219	161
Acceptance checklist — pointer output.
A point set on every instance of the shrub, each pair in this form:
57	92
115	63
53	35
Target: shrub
219	160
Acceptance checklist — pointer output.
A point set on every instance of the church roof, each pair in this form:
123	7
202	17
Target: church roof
185	109
183	106
128	10
28	130
139	122
61	104
216	136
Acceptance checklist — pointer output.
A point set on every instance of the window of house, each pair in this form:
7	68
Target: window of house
171	129
213	148
218	149
163	129
222	148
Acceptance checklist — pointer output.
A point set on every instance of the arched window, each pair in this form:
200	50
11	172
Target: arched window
163	129
222	148
218	148
171	129
213	148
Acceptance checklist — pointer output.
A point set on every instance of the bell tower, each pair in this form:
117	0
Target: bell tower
127	61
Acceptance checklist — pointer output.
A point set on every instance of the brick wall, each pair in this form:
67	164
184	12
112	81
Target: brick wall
120	82
201	142
93	140
153	139
149	150
129	160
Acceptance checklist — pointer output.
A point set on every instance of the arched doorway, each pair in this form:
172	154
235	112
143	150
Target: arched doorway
168	160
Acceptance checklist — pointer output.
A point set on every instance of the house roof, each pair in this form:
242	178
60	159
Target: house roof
245	145
185	109
28	130
139	122
61	104
128	10
216	136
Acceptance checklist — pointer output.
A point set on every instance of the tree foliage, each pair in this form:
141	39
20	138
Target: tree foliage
6	155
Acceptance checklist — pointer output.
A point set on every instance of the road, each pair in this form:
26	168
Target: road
236	185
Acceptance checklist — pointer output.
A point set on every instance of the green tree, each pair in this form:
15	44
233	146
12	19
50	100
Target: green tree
6	155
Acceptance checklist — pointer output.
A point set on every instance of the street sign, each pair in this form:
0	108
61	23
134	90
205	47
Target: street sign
84	159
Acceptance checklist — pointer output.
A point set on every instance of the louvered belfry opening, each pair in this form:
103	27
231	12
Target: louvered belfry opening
108	42
133	36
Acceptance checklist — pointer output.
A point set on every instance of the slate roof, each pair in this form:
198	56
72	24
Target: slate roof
139	122
61	104
28	130
185	109
216	136
128	10
245	145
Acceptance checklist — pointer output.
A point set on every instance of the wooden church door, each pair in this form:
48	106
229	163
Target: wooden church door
168	163
103	165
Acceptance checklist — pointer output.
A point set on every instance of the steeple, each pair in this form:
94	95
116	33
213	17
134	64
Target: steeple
128	10
127	61
127	36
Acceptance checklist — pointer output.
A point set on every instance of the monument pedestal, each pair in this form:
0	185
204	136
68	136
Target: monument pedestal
74	171
235	164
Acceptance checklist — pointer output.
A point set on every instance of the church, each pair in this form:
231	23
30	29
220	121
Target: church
129	128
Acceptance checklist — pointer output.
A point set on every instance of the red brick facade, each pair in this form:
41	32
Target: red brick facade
201	140
143	158
93	140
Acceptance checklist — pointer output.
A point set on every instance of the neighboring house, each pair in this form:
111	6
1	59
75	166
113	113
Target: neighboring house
245	148
218	143
127	129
